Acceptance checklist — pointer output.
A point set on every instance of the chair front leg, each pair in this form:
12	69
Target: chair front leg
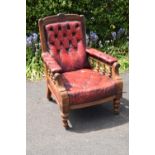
119	87
63	100
65	117
116	105
64	109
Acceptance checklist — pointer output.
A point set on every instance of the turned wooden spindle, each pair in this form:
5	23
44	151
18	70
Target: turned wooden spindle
97	65
90	61
104	68
108	71
110	74
94	63
100	67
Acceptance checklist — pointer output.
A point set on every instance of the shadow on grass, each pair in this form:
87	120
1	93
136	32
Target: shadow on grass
98	117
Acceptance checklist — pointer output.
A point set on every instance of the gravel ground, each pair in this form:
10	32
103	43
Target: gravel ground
96	131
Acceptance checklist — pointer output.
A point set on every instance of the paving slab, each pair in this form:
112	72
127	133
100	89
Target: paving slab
95	130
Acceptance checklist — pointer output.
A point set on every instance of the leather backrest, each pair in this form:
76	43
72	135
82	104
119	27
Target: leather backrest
65	41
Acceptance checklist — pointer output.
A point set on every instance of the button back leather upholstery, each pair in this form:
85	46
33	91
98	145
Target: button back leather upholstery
66	44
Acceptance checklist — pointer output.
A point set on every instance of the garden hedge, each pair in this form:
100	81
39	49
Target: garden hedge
102	16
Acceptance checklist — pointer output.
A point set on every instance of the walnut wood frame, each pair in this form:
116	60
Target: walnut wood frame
55	87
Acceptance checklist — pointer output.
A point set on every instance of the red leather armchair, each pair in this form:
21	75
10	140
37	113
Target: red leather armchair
77	76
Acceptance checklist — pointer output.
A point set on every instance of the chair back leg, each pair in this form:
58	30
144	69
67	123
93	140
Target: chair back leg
48	93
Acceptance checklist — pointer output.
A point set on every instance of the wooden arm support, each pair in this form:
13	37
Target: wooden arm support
115	71
116	77
100	61
111	70
100	66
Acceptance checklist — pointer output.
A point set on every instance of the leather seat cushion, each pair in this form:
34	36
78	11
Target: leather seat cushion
86	85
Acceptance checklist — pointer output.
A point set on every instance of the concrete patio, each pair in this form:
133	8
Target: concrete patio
96	131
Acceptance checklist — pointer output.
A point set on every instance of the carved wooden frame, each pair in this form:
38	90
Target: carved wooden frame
55	87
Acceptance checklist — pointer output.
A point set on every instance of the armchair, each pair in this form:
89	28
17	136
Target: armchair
76	76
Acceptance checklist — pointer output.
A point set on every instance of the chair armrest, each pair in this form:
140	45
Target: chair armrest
101	56
55	69
51	63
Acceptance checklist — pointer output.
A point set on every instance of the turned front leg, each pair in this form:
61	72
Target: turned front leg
64	117
64	109
116	105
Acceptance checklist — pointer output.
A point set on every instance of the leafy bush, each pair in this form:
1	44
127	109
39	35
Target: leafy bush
102	16
120	54
106	28
34	64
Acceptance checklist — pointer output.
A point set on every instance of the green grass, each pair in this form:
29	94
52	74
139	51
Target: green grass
34	65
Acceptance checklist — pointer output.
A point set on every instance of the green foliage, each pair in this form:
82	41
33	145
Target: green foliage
117	50
102	16
120	51
34	65
124	62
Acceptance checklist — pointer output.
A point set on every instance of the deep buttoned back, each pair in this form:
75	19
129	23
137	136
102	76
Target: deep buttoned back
65	41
